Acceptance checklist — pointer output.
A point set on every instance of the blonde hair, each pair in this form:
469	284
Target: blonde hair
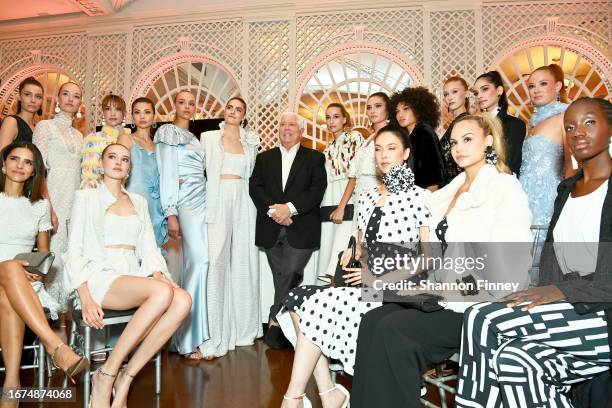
491	126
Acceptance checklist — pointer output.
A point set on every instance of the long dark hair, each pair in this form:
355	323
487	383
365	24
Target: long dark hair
23	84
494	78
33	187
403	135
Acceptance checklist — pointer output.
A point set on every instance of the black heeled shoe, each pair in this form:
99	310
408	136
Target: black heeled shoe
72	371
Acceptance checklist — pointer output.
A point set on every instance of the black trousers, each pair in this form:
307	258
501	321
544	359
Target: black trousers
287	265
395	347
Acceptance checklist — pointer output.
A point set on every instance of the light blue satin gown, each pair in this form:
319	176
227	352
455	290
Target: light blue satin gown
542	166
144	180
181	163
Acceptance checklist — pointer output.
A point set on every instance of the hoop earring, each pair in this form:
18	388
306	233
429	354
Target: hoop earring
133	125
154	125
57	108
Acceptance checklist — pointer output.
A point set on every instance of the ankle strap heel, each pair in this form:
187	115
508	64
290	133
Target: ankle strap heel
305	401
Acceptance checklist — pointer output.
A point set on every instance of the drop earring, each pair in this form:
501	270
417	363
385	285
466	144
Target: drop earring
3	170
558	97
79	115
57	108
491	155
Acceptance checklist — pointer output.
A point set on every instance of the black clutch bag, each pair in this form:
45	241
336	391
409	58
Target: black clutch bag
39	262
353	263
424	302
325	212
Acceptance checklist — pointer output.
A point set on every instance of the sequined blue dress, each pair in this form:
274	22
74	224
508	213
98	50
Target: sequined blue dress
181	163
144	180
542	166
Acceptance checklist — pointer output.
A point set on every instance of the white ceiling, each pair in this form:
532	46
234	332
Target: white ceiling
28	9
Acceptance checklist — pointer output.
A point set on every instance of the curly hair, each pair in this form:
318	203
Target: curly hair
423	104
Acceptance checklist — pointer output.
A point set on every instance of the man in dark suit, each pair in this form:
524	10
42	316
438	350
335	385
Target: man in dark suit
287	186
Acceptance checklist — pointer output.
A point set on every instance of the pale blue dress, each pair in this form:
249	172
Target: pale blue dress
542	166
144	180
181	163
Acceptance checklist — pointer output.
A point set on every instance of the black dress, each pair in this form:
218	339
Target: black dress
452	170
24	132
514	136
428	160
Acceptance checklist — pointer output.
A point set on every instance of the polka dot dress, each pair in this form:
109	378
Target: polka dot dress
330	317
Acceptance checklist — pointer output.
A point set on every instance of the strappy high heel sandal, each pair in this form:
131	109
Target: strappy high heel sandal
101	372
339	387
72	371
305	401
124	372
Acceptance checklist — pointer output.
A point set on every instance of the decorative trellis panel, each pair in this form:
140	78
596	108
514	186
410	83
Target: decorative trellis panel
24	57
505	25
268	78
222	40
401	30
453	35
434	42
108	56
453	51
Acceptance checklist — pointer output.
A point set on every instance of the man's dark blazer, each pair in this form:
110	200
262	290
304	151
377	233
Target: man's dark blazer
305	187
514	136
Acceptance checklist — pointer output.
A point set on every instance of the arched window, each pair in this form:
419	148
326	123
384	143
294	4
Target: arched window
584	68
348	76
210	82
51	79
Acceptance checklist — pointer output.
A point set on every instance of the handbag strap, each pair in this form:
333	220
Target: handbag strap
352	245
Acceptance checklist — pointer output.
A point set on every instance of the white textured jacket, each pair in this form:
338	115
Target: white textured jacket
495	211
214	162
86	252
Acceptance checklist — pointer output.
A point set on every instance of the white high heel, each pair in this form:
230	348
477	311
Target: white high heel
305	401
339	387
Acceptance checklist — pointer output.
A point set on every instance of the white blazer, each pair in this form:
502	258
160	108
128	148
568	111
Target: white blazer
214	162
86	252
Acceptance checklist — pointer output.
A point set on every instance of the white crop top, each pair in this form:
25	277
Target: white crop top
233	163
121	230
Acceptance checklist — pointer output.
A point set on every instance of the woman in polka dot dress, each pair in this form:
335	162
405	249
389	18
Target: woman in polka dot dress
392	219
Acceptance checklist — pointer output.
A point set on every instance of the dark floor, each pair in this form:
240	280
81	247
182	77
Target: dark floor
253	376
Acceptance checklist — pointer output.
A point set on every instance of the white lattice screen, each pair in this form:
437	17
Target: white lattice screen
269	59
107	72
268	90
